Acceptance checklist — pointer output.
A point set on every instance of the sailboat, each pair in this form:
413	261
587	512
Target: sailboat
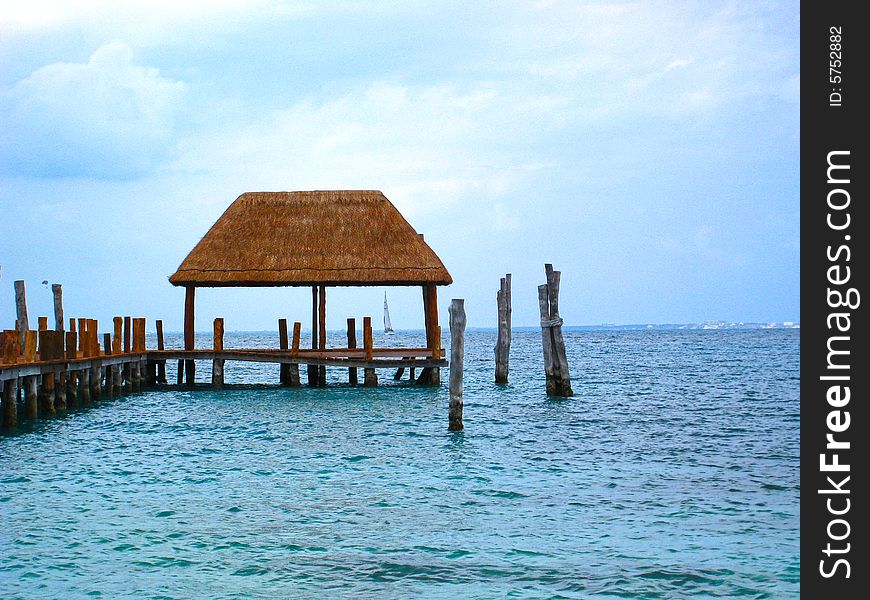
388	325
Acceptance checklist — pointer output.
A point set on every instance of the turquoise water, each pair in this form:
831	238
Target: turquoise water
673	472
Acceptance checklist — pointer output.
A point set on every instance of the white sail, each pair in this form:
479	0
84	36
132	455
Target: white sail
388	325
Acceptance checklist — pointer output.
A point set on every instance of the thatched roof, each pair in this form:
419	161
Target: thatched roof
352	237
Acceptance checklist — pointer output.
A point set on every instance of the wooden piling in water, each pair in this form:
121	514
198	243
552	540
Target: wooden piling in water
117	348
189	333
293	370
71	345
553	343
351	343
217	365
10	403
370	378
46	389
107	349
313	371
430	375
161	364
138	347
457	356
503	343
94	352
283	344
322	337
31	406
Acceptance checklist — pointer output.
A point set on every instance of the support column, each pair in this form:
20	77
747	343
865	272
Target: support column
351	344
293	369
283	344
431	375
217	366
189	324
314	370
30	395
370	378
10	403
161	364
322	338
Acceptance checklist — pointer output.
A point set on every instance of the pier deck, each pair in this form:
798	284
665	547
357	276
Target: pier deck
383	358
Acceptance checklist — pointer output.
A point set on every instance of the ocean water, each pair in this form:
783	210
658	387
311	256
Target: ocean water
672	472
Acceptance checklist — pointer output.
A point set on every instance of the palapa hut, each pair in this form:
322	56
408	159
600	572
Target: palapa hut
317	239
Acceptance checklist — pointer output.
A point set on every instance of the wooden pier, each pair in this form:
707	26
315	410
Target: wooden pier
55	370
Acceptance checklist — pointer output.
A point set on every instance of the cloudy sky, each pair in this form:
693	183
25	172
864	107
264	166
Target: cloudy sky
648	149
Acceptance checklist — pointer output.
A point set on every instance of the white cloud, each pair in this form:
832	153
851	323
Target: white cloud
104	118
423	146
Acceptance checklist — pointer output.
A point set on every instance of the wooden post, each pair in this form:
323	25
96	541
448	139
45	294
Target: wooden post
283	344
96	364
57	292
46	390
43	323
351	344
83	326
21	308
84	385
128	332
370	378
293	371
161	364
430	375
217	366
107	348
503	344
138	346
555	357
547	340
117	343
31	410
314	370
139	335
12	345
10	403
322	338
29	347
116	381
457	355
189	332
71	342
